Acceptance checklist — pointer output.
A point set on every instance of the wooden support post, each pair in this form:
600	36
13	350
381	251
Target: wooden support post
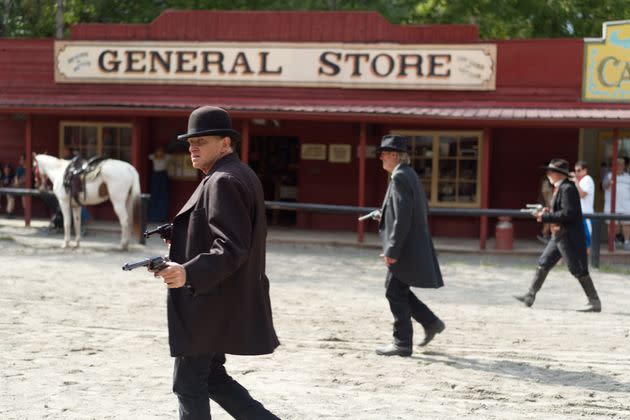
485	187
362	143
28	165
613	189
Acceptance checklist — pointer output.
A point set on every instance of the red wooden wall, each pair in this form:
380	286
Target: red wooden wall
515	174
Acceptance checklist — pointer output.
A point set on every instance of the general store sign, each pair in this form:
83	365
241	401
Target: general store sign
607	65
369	66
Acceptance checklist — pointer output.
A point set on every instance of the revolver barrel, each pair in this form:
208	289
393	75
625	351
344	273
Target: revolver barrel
153	264
164	231
131	266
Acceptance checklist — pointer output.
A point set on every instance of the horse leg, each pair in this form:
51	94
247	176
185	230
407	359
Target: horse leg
67	222
76	217
120	208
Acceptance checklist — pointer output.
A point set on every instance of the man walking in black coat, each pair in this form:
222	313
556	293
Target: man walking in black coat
567	239
218	293
408	249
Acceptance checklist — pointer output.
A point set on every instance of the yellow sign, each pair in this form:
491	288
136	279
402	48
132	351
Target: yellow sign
607	65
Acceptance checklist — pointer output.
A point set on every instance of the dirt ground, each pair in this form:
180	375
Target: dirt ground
81	339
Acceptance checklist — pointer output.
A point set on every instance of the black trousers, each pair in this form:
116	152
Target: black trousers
404	306
574	254
195	379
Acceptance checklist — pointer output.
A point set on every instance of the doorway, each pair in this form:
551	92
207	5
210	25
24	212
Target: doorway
604	159
275	159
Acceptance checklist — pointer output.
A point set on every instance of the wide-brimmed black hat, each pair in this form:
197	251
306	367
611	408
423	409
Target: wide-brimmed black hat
392	143
210	121
558	165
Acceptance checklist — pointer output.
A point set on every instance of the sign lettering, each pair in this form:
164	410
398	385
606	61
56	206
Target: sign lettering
462	67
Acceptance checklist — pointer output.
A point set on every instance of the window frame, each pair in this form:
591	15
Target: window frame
99	125
435	160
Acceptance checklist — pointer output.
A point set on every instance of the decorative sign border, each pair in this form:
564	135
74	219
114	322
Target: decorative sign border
365	66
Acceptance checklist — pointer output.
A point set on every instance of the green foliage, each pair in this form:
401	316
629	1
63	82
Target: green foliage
497	19
504	19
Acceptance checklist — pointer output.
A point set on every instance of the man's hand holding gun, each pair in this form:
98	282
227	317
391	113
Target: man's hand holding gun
536	210
375	215
173	274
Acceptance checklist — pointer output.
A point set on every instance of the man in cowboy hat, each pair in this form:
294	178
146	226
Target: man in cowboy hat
408	249
218	293
567	239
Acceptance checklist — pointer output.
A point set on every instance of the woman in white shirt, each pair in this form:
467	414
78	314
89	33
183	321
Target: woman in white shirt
586	188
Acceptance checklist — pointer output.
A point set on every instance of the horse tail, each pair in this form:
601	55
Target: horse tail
134	203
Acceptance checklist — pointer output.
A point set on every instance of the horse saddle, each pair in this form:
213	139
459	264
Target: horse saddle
78	173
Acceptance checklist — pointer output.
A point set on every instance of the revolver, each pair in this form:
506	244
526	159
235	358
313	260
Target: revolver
154	264
164	231
532	208
375	214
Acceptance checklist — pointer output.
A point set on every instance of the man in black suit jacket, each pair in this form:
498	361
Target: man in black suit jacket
218	293
408	249
567	240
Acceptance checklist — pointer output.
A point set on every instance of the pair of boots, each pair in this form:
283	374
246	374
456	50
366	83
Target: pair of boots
594	304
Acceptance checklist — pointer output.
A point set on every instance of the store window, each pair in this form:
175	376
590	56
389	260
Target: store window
109	140
448	164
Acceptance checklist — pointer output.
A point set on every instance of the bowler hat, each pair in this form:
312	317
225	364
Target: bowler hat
392	143
210	121
558	165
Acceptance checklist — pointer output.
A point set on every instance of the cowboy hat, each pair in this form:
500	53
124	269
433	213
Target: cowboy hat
392	143
558	165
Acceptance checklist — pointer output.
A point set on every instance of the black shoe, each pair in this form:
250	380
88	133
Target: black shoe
429	333
394	350
542	238
592	306
527	299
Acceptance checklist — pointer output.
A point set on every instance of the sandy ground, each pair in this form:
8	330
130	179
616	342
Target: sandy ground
80	338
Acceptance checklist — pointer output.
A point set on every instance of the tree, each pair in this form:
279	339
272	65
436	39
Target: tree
497	19
504	19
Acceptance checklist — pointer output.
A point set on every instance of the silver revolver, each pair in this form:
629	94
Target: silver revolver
532	208
376	215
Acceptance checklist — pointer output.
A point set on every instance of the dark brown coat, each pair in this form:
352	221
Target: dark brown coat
404	230
219	237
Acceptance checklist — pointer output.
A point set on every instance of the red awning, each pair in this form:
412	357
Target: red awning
468	111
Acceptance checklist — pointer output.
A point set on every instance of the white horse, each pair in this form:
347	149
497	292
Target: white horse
117	181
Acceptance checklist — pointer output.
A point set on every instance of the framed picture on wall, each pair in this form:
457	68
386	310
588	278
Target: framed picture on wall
312	151
339	153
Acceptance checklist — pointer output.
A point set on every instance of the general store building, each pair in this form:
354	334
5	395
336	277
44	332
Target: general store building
313	93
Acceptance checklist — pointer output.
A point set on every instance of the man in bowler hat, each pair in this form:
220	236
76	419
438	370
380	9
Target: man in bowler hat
567	236
408	249
218	293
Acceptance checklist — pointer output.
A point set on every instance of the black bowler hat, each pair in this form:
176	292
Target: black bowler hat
392	143
558	165
210	121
